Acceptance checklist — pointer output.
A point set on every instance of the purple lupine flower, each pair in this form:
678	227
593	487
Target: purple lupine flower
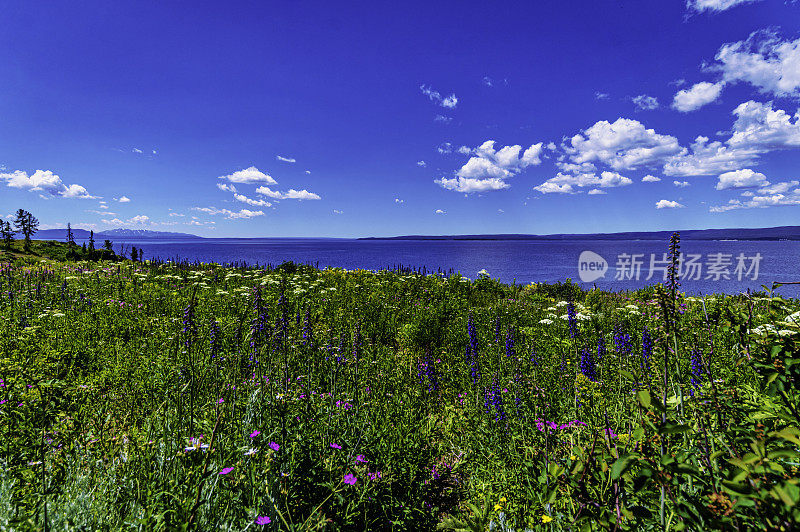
647	350
573	322
510	351
587	365
622	341
534	357
697	370
497	329
602	351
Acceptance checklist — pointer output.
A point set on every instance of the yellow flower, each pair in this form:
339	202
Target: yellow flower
502	499
497	507
573	457
546	519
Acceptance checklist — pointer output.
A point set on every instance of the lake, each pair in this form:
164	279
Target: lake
706	265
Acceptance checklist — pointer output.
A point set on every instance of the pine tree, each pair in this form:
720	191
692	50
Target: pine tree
7	234
70	236
27	224
134	254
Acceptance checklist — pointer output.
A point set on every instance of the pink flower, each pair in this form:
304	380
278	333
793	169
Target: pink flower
274	446
221	400
335	446
360	459
254	433
263	520
225	471
350	479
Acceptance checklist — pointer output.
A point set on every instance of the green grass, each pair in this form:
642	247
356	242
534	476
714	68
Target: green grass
116	375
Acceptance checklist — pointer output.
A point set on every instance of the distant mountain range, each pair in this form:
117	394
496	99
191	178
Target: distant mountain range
786	232
111	234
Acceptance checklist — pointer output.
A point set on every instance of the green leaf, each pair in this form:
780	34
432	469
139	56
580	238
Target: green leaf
621	465
644	398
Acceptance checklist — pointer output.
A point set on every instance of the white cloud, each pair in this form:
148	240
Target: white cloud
421	163
743	178
45	181
681	184
440	211
488	168
249	175
232	215
668	204
488	81
697	96
644	102
764	61
464	150
650	179
176	215
76	192
624	144
137	150
566	183
779	188
124	199
708	159
398	200
758	202
226	187
291	194
139	219
759	127
285	159
335	211
470	185
597	191
443	119
250	201
714	5
449	102
445	148
600	95
308	172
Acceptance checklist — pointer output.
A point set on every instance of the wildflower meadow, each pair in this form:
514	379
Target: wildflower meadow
178	396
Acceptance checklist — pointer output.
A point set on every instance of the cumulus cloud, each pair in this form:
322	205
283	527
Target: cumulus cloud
449	101
232	215
714	5
644	102
708	158
596	191
421	163
488	167
464	150
291	194
137	150
567	183
439	211
285	159
47	182
743	178
668	204
697	96
139	220
445	148
681	184
124	199
600	95
764	61
650	179
623	145
758	202
248	176
779	188
336	211
253	202
398	200
758	126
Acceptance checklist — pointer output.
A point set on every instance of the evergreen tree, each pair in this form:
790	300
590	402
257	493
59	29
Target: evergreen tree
7	234
70	236
27	224
134	254
91	241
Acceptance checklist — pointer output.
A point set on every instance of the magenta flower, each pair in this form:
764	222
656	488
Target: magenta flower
360	459
221	400
335	446
350	479
225	471
263	520
255	433
274	446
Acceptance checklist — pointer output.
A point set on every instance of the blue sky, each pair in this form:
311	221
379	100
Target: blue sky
315	119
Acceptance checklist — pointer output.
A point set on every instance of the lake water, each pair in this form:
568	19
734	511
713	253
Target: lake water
514	261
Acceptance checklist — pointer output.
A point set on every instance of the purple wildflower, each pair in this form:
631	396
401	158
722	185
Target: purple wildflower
350	479
263	520
225	471
274	446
